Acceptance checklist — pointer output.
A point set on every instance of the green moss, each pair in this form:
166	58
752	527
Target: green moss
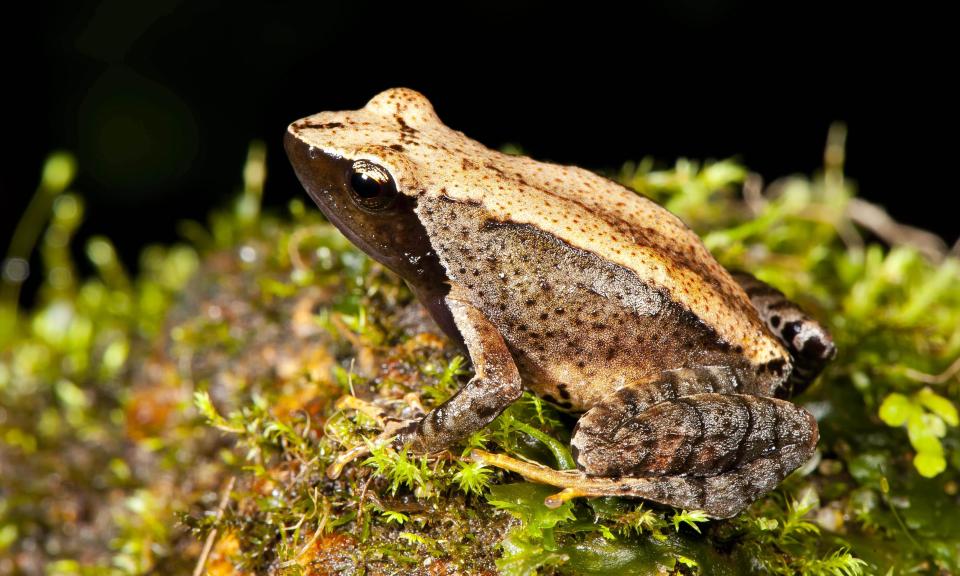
130	404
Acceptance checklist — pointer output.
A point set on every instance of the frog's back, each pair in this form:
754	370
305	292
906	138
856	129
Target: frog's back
584	210
585	226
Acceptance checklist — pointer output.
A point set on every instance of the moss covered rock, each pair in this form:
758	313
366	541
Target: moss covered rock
183	419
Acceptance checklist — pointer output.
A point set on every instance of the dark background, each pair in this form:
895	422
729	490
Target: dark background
160	99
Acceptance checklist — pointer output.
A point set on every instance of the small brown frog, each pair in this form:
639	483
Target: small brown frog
595	298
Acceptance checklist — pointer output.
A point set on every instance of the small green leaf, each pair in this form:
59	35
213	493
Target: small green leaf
523	558
925	431
939	405
929	464
401	468
532	544
203	403
895	409
473	477
525	501
417	539
767	524
690	519
394	516
641	520
605	532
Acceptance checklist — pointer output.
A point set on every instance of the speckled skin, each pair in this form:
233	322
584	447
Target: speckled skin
589	294
579	326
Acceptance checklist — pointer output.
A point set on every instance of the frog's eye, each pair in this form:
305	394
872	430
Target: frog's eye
372	186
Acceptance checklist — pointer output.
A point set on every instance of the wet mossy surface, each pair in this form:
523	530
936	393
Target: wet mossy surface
142	417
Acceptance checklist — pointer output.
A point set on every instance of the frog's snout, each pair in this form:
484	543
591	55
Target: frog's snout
319	173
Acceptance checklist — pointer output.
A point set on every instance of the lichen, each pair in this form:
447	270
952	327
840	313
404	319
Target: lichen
186	415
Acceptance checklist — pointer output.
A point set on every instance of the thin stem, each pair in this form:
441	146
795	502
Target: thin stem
212	537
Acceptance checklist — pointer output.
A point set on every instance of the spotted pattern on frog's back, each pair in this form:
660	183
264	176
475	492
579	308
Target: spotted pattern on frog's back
399	129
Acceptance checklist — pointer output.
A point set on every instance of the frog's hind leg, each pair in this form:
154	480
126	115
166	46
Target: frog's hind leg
686	439
697	435
808	341
721	496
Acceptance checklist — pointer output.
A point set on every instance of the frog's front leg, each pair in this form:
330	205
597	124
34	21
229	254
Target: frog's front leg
495	386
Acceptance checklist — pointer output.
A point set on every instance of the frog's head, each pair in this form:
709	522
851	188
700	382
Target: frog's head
355	166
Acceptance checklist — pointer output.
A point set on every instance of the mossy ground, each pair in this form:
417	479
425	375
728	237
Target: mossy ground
142	418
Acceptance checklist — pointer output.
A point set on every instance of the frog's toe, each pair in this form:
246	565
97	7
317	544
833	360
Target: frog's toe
529	470
396	432
336	467
373	411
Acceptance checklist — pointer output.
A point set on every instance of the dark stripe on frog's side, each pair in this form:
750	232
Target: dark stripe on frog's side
554	302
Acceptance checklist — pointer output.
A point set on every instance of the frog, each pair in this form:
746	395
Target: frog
595	298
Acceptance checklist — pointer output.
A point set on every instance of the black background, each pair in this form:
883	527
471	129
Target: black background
160	99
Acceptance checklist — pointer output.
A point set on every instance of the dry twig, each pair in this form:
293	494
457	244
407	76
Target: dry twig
212	537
